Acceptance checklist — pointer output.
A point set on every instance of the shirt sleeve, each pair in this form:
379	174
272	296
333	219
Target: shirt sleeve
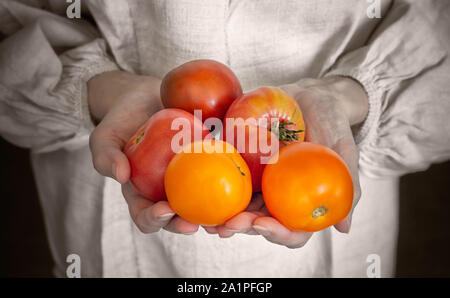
46	62
405	71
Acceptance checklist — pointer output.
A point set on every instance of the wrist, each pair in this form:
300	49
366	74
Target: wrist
105	89
352	95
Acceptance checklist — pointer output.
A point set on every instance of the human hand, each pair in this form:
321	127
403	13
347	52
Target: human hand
120	103
330	107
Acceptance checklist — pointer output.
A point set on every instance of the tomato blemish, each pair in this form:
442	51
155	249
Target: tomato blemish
238	167
319	211
138	138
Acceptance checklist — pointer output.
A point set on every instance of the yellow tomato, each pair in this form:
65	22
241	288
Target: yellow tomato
210	186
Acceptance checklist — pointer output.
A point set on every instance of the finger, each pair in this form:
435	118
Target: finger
151	219
347	149
107	155
181	226
344	225
275	232
148	216
241	223
210	230
256	203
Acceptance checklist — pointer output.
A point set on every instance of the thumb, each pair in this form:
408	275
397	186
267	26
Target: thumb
107	155
347	149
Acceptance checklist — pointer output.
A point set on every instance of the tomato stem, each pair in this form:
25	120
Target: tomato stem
285	134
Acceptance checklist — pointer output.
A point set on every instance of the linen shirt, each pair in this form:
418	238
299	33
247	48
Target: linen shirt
46	60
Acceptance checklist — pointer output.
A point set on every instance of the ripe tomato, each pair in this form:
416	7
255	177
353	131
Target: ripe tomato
149	151
309	188
205	85
264	103
208	187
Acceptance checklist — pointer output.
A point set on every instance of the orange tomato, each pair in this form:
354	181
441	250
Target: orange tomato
208	187
309	188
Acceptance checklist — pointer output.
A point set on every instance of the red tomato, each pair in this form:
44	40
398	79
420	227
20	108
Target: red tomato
150	150
264	103
205	85
309	188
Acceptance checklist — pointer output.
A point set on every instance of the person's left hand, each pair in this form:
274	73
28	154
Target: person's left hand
330	107
120	102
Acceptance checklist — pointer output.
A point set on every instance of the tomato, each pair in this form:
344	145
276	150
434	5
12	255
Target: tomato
309	188
264	103
150	150
205	85
208	187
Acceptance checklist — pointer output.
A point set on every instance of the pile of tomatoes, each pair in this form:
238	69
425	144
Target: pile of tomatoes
208	178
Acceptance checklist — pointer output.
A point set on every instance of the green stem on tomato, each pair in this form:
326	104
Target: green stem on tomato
287	135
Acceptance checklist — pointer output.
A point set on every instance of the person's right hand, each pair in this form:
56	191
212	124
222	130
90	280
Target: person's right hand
330	107
120	103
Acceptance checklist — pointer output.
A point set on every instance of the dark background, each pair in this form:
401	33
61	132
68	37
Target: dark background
424	239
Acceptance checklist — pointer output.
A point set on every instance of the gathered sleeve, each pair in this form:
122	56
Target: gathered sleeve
46	61
406	74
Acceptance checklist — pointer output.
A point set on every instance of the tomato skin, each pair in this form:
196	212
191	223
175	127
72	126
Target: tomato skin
205	85
263	103
309	188
210	187
149	151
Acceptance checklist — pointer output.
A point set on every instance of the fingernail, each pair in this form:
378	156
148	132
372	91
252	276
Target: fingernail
261	230
165	216
209	232
190	233
226	234
234	231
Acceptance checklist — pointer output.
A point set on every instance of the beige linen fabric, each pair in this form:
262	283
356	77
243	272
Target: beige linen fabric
46	60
